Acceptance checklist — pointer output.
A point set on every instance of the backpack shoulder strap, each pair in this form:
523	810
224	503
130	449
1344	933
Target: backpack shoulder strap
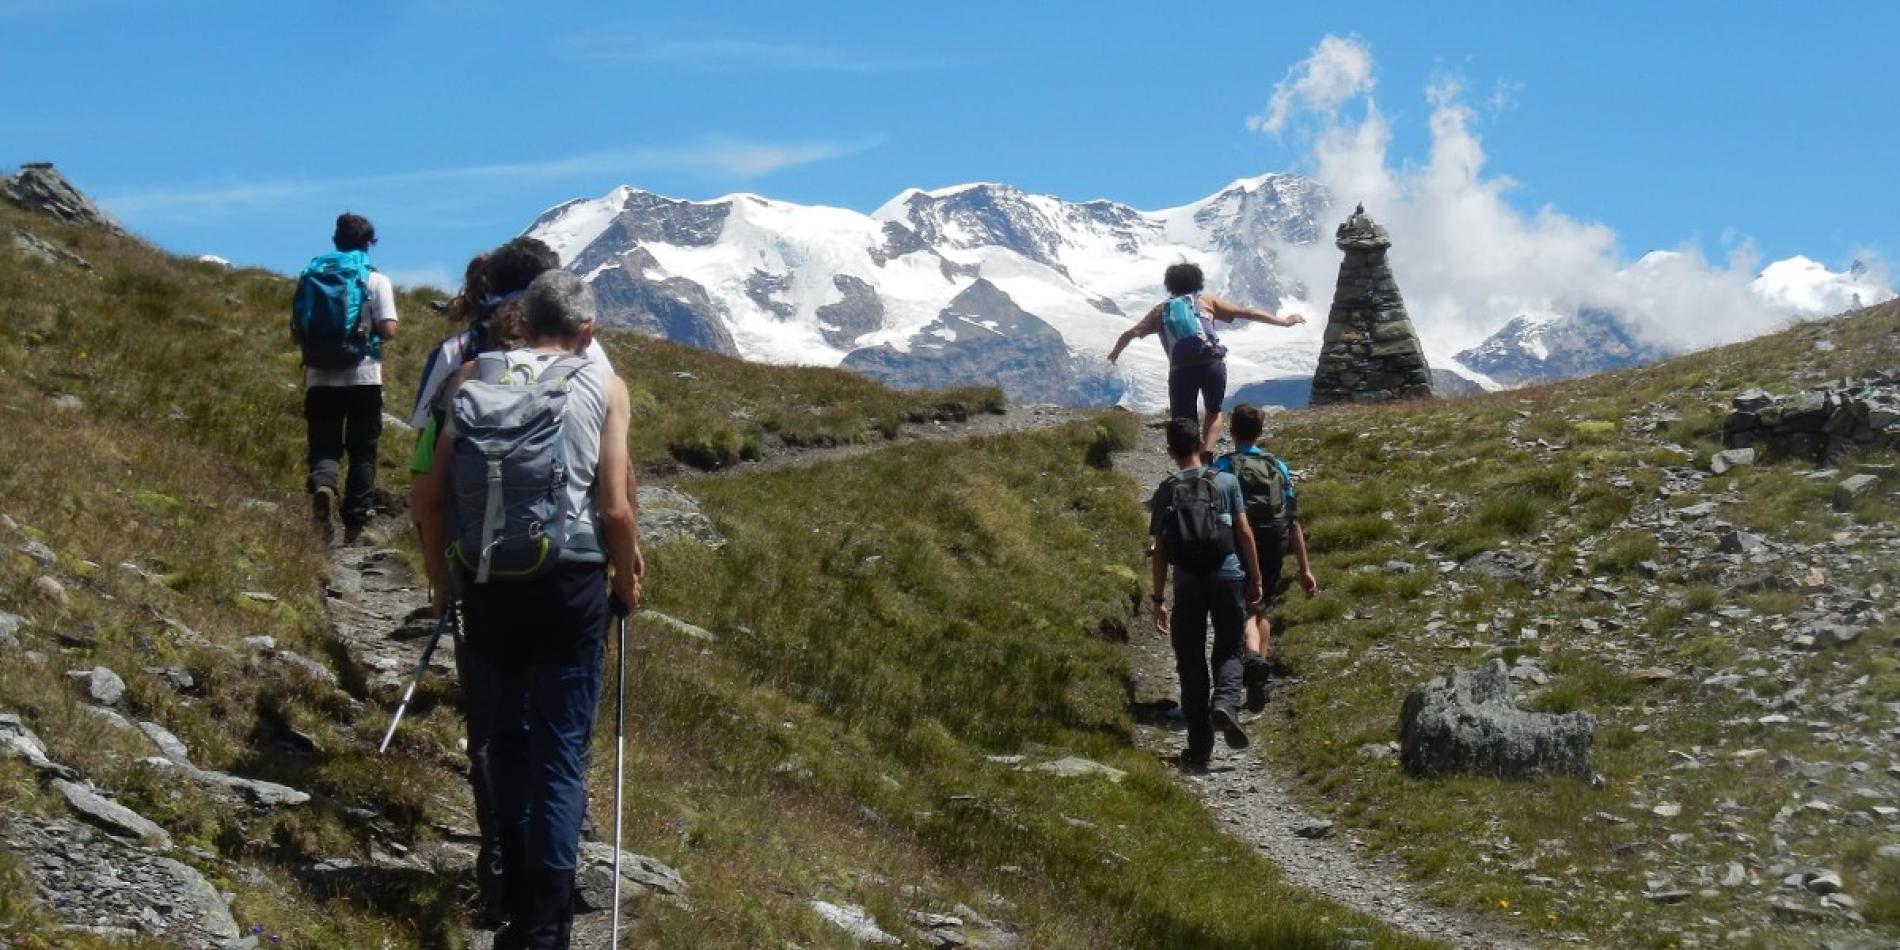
564	368
491	366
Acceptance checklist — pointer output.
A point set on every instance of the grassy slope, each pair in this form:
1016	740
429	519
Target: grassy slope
1421	483
885	623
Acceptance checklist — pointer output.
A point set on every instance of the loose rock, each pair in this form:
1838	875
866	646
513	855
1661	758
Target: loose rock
1469	723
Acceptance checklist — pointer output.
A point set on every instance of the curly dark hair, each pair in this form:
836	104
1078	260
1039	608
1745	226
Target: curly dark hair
515	265
1183	278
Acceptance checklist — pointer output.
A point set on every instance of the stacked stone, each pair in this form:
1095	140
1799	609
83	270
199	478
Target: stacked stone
1821	424
1371	353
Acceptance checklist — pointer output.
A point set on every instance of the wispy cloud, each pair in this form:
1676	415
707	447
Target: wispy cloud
1338	69
738	54
726	158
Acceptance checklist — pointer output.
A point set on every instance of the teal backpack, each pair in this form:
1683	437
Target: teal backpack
327	311
1189	336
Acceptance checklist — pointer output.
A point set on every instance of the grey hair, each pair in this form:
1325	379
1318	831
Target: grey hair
558	306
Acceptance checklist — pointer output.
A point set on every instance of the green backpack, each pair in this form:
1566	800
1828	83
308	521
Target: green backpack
1266	486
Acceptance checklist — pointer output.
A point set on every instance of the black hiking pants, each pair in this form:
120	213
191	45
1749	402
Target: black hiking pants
1207	682
344	420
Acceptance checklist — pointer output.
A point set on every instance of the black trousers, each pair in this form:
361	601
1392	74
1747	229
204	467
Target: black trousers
1207	681
344	420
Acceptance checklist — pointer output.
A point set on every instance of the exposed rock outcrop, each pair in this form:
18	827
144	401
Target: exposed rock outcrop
665	306
983	337
41	189
1468	723
1821	424
1371	353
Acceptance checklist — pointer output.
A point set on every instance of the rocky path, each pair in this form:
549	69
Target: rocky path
1252	797
377	610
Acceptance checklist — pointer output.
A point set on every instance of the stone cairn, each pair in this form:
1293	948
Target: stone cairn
1371	353
1821	424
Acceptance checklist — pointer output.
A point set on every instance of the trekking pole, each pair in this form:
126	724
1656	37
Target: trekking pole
422	665
620	610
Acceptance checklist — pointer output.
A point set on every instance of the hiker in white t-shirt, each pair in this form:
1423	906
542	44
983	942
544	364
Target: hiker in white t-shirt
341	332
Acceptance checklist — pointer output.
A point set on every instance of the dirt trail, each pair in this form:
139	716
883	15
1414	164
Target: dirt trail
375	603
1252	797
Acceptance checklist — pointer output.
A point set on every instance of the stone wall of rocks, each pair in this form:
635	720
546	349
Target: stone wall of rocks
1370	353
1821	424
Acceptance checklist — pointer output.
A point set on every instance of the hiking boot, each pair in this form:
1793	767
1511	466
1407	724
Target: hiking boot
1254	671
353	535
323	511
1190	763
1229	726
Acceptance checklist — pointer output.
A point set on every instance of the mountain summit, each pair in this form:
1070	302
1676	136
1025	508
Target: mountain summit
891	292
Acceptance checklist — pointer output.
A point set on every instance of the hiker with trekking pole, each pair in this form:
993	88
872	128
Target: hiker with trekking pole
528	519
486	316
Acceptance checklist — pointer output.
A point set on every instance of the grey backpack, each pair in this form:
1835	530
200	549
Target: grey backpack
508	471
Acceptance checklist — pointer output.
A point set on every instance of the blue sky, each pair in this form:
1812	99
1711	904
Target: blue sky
241	128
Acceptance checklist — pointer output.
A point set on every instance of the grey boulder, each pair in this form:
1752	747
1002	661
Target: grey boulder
1468	723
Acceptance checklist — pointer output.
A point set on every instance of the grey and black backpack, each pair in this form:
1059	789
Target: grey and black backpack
1189	510
509	469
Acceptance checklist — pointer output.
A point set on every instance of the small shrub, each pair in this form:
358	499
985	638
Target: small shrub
1349	533
1624	552
1513	514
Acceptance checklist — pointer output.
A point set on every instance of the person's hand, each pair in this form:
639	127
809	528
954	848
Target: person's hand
438	603
628	589
1294	319
1161	618
1256	594
1309	584
1113	356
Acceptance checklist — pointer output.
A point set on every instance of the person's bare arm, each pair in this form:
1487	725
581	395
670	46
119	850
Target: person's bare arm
1158	570
428	500
1228	313
1148	325
619	520
1308	583
1249	558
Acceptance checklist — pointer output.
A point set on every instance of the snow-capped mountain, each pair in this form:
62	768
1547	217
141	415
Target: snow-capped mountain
1558	346
988	283
1589	340
1806	286
980	282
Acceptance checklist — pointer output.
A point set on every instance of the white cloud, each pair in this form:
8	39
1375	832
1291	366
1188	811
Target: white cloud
438	276
1468	260
728	158
1338	69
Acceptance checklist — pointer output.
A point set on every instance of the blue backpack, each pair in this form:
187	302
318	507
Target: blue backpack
1188	335
327	311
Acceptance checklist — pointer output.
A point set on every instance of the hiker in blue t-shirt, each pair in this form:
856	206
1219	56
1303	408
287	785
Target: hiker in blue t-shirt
1197	362
1273	509
1198	521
